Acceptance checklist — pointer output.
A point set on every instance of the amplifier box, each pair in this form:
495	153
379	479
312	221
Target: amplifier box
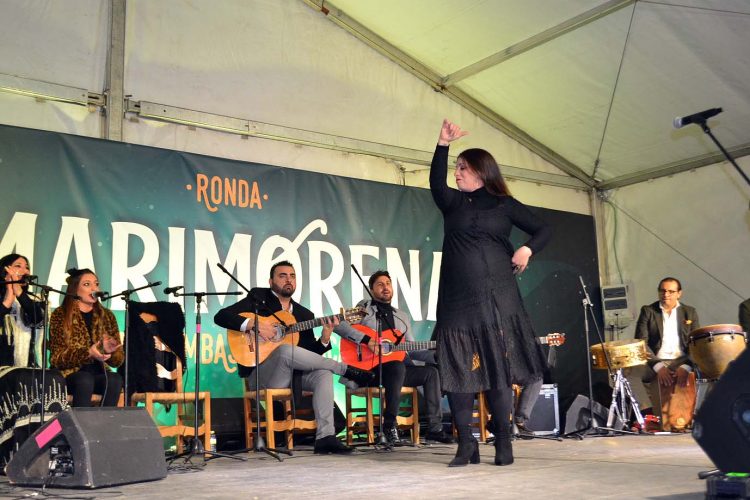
545	416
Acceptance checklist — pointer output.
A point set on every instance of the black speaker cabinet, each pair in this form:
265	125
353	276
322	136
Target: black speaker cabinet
91	448
545	416
722	424
578	416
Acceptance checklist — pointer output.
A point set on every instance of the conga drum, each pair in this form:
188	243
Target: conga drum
621	353
713	347
677	405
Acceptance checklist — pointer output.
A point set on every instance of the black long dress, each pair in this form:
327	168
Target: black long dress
485	339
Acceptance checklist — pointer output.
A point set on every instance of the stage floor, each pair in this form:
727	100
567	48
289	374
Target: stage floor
645	466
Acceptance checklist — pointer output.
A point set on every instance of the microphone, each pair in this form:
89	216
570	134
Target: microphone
699	117
172	289
585	292
222	267
29	278
101	295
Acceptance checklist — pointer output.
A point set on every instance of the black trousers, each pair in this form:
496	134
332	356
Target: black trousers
93	379
393	380
397	375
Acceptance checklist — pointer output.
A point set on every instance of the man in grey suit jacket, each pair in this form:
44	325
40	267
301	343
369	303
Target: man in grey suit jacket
666	326
417	369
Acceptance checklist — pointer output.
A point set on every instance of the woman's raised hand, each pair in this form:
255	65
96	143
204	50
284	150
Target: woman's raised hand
449	132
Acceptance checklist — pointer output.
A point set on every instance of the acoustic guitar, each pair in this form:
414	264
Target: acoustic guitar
242	344
360	356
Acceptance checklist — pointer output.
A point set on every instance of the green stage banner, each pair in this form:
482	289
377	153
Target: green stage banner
137	215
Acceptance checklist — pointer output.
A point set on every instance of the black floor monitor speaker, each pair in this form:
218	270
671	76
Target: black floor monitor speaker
91	448
578	416
722	424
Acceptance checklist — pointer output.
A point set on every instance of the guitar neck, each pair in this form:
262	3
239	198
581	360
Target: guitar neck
418	345
553	339
312	323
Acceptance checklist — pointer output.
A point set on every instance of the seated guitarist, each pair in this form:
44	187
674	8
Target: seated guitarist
277	370
397	374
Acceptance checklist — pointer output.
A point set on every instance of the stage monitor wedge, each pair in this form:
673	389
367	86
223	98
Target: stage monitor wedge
91	448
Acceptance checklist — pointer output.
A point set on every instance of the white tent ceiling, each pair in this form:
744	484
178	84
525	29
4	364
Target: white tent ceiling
591	86
358	88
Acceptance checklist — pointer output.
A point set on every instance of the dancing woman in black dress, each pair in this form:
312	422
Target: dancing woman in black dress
485	341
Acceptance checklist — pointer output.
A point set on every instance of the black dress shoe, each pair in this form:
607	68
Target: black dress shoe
440	436
392	437
361	377
330	444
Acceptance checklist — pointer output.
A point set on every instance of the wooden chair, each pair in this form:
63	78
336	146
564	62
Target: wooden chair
96	399
363	420
269	421
183	426
479	417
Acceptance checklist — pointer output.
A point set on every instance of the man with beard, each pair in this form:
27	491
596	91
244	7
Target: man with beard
278	369
397	374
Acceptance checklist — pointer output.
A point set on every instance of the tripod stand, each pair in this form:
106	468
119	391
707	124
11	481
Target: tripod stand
593	428
622	393
196	445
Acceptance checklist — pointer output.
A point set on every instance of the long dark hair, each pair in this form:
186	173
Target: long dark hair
485	166
10	259
70	303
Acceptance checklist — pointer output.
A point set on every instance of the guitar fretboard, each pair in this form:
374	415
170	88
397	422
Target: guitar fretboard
312	323
417	345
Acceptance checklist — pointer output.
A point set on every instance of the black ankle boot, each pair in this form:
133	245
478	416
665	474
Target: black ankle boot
504	447
468	450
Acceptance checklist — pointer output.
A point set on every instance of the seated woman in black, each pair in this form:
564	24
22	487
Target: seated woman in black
21	331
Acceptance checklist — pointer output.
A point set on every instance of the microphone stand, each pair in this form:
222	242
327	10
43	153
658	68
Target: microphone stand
380	318
592	428
196	445
259	444
707	131
45	329
125	294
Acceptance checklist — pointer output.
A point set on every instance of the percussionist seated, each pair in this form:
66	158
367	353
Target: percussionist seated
665	325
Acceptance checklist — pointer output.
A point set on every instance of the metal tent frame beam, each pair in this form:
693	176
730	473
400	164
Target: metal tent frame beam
433	79
673	168
537	40
250	128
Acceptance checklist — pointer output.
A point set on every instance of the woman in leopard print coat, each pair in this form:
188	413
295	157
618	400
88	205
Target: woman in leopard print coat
85	342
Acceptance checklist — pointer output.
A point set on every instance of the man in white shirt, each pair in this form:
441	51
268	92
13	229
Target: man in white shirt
666	326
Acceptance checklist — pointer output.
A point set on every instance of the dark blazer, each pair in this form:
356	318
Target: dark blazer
745	316
268	303
650	328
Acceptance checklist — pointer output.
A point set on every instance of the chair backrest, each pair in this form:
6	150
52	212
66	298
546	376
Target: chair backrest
167	357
